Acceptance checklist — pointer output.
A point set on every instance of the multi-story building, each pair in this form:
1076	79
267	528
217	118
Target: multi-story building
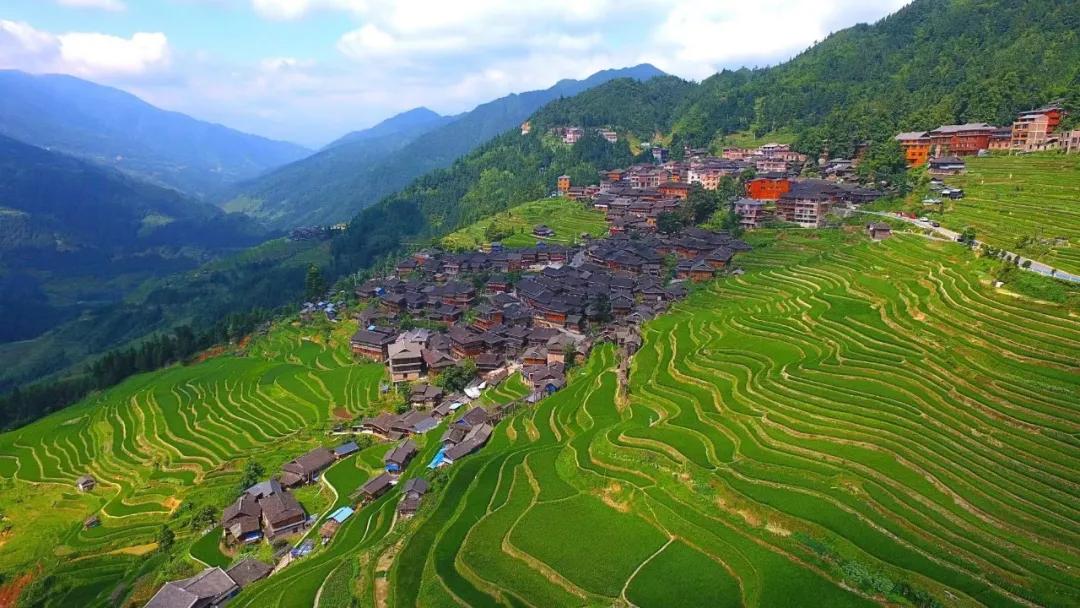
563	184
1001	139
406	361
767	188
916	147
960	140
1071	142
751	212
807	203
1032	129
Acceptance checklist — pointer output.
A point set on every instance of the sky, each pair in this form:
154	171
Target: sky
309	71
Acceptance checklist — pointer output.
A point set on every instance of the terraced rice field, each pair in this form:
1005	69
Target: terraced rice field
566	217
1011	197
160	439
844	425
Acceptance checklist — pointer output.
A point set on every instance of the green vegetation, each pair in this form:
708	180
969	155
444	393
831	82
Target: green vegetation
513	227
1026	204
932	62
766	467
167	446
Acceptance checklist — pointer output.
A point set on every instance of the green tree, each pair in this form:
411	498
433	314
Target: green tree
165	539
314	283
668	223
456	378
253	474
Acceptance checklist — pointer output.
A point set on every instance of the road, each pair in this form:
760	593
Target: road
1035	266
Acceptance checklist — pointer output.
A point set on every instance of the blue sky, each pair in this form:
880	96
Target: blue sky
311	70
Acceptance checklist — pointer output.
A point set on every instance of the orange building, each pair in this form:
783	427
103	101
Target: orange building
916	146
564	184
960	140
674	189
767	189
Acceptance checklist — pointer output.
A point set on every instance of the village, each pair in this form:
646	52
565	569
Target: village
534	312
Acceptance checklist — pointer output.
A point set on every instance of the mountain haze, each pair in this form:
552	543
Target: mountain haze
116	129
414	121
328	188
73	235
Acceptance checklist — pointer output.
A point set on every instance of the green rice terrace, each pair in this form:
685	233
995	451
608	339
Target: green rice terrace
849	423
1028	204
514	227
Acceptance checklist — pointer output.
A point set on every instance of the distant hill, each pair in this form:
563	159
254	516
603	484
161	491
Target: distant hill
74	235
411	122
118	130
335	184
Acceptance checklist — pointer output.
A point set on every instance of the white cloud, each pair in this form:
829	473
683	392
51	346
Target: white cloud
294	9
87	54
698	37
107	5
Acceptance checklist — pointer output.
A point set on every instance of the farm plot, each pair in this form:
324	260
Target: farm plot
848	424
160	439
1029	204
569	219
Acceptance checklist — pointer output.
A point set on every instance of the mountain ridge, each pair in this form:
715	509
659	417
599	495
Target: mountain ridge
324	190
114	128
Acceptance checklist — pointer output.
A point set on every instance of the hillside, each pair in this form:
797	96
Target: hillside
514	227
758	465
341	181
118	130
75	235
743	456
415	121
933	62
511	169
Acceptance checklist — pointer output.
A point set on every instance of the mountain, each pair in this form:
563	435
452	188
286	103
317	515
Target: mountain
306	184
118	130
512	169
932	62
75	235
334	185
415	121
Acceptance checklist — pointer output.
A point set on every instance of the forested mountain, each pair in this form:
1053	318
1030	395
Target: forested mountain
514	168
933	62
311	185
334	185
118	130
73	235
415	121
831	91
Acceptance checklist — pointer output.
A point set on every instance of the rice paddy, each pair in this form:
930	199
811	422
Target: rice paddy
162	439
1028	204
847	424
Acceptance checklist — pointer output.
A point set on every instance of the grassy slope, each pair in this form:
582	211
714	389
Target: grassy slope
160	439
566	217
1008	198
847	415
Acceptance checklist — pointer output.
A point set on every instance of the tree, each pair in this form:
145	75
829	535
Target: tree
165	539
884	162
314	283
601	307
456	378
700	204
253	474
668	223
967	237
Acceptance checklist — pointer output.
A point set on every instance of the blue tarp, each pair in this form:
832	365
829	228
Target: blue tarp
435	462
341	514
